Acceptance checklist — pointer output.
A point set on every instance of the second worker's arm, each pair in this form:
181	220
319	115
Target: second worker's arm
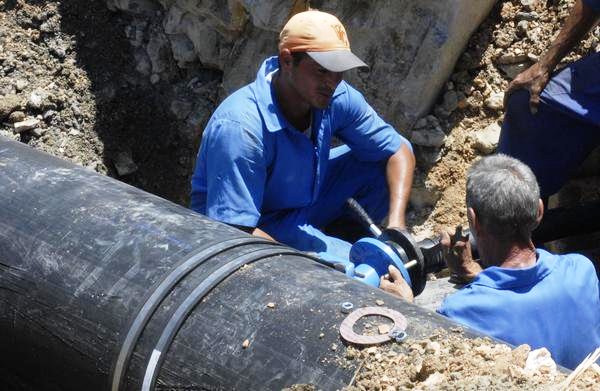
580	21
400	168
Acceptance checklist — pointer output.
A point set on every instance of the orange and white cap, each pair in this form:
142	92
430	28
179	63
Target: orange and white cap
323	37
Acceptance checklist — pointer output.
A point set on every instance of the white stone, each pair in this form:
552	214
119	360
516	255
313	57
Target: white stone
28	124
486	140
21	84
36	99
495	101
540	361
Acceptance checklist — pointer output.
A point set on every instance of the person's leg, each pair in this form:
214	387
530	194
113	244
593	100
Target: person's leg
293	229
348	177
345	177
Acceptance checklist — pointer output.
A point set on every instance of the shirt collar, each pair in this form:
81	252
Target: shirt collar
265	96
507	278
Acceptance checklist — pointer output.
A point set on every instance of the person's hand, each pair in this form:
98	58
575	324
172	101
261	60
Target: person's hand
394	283
457	252
533	79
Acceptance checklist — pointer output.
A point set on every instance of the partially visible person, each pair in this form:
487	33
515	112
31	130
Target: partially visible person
517	293
552	120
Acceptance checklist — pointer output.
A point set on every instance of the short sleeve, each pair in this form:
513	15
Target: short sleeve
363	130
236	173
593	4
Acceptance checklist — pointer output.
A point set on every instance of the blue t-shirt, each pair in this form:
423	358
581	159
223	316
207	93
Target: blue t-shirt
553	304
594	4
252	161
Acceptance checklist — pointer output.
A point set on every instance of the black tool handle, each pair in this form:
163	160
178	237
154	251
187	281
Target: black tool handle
363	216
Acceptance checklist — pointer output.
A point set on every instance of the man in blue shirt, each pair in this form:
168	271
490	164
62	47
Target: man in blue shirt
265	164
552	122
523	295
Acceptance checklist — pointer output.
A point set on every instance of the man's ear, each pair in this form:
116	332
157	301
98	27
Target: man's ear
285	59
473	221
540	212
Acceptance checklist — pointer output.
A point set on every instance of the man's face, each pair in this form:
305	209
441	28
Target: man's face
313	83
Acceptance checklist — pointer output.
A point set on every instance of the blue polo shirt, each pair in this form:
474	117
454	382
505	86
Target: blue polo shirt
594	4
252	161
553	304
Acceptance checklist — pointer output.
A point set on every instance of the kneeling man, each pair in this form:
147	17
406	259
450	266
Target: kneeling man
266	165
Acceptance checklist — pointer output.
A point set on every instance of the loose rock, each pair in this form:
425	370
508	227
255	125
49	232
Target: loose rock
495	101
486	141
16	116
434	137
26	125
8	104
124	164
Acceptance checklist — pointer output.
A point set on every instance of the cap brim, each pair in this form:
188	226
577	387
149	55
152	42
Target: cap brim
337	60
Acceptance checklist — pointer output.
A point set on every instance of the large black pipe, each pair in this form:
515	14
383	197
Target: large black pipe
102	284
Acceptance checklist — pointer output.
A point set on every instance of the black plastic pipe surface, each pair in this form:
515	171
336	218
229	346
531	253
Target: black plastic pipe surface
106	287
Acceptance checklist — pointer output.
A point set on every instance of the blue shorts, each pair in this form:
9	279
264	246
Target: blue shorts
346	177
557	139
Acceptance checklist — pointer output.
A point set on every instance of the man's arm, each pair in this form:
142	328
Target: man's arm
534	79
372	139
399	172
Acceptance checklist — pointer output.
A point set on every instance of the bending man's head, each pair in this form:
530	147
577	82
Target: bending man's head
504	197
314	51
322	37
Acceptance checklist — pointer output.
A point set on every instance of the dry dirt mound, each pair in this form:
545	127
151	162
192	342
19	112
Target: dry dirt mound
448	361
470	109
68	87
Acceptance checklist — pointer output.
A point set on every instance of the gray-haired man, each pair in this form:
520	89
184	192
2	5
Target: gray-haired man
522	294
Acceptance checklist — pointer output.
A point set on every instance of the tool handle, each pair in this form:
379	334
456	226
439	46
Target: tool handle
363	216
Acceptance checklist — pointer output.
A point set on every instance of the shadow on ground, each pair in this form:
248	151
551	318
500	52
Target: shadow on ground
131	116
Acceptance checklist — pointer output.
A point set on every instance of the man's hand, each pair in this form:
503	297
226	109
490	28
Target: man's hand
580	21
459	258
394	283
533	79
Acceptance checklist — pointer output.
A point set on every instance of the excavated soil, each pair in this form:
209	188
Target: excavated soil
512	37
68	69
448	361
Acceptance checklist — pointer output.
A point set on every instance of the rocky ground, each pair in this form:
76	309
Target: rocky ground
447	361
67	87
466	122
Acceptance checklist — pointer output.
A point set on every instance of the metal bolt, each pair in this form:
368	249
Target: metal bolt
410	264
398	335
346	307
